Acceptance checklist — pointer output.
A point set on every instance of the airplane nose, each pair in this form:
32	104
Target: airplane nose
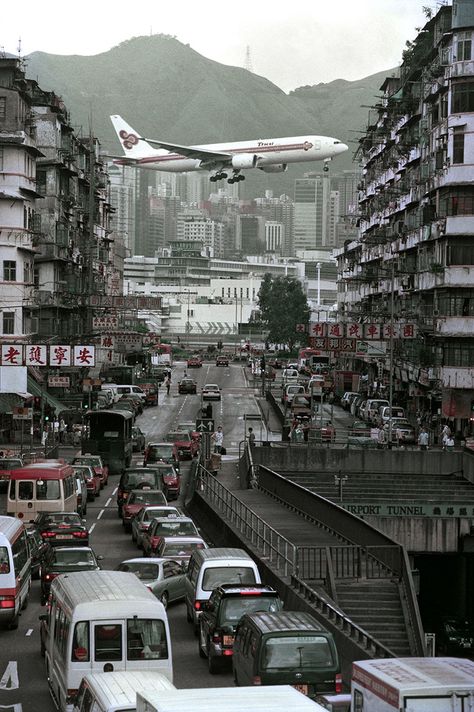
342	147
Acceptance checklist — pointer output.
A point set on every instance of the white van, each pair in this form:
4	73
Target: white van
15	570
117	691
101	621
209	568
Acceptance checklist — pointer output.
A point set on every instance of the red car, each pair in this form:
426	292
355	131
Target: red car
93	481
136	500
94	461
186	445
194	362
166	527
171	481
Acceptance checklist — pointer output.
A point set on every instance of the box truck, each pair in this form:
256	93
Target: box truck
413	684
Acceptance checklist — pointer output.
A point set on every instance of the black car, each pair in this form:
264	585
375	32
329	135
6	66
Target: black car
161	452
187	385
137	478
454	636
221	614
63	560
38	548
62	528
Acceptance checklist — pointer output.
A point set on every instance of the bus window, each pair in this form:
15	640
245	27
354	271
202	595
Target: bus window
4	561
25	490
146	639
47	489
108	642
80	643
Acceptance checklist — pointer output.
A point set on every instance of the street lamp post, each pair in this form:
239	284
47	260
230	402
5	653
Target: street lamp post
390	374
318	267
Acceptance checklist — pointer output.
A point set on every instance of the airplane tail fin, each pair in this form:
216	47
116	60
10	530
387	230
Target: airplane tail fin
130	140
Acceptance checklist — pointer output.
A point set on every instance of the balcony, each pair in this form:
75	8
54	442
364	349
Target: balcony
461	69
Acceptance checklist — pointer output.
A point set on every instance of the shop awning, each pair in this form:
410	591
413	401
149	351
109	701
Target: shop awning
36	390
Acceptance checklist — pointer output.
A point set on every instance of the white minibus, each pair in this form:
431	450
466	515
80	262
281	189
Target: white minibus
46	486
101	621
15	570
117	691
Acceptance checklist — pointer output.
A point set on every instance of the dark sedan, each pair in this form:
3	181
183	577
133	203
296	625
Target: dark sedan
187	386
38	548
62	528
64	560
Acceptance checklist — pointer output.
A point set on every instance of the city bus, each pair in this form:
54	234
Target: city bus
46	486
108	433
314	359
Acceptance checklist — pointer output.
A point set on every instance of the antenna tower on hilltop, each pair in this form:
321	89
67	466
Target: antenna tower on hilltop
248	60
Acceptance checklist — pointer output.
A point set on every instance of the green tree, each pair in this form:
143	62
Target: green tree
283	305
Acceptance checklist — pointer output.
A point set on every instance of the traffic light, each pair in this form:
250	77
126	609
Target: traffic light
219	345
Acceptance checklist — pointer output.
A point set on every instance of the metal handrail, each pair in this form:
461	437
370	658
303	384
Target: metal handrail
275	547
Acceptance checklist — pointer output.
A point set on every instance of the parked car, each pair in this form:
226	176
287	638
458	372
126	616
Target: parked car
138	439
290	391
62	528
81	492
136	500
142	520
290	375
94	461
221	614
130	402
171	480
186	445
372	409
355	403
163	577
38	548
167	527
211	391
222	361
347	398
179	548
194	362
300	407
161	452
92	478
187	386
145	478
402	430
64	560
385	413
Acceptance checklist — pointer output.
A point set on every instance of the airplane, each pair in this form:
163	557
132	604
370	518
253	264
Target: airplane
268	155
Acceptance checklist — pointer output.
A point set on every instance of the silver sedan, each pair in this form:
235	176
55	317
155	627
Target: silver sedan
163	577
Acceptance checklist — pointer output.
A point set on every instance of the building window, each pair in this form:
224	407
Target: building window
463	50
8	322
9	271
458	144
463	97
3	107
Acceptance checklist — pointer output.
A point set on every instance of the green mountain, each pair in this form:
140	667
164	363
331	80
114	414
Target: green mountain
166	90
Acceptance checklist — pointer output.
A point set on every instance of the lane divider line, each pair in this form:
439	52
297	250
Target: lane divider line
100	513
108	502
92	528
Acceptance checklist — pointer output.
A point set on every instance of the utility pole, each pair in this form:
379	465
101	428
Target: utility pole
390	374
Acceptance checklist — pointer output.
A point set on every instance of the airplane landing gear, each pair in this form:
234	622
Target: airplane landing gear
326	165
218	176
235	178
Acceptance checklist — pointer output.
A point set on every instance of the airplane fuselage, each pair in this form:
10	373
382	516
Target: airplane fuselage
262	152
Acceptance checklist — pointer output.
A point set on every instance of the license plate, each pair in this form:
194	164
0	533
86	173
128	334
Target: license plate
301	688
63	536
228	640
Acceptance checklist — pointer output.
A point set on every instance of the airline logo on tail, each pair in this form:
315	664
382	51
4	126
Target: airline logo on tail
129	140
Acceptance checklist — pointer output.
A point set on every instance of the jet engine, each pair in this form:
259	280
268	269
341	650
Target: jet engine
244	160
276	168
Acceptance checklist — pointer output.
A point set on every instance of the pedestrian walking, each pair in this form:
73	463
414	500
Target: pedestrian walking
399	437
251	437
62	430
449	443
381	439
167	385
445	434
423	439
218	438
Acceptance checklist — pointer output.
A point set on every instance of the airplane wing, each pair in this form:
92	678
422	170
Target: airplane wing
201	154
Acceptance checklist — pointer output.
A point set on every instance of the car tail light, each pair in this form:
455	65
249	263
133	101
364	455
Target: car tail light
256	680
7	602
250	593
198	605
80	535
227	651
50	577
48	535
338	683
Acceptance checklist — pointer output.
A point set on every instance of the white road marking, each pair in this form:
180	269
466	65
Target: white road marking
92	528
108	502
9	679
29	632
115	491
100	513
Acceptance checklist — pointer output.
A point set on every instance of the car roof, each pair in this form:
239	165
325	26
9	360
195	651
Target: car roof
209	385
182	539
145	560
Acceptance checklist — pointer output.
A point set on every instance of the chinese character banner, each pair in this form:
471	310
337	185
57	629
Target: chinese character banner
47	355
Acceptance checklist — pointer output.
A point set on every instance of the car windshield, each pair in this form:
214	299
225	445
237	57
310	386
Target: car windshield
91	461
152	512
73	557
145	497
232	609
68	518
211	388
10	464
142	569
298	651
217	575
157	452
175	529
175	436
181	549
133	478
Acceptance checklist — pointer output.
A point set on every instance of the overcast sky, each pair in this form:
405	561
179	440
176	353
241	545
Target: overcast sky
291	42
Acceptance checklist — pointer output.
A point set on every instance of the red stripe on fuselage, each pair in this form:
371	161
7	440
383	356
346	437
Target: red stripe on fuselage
258	150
